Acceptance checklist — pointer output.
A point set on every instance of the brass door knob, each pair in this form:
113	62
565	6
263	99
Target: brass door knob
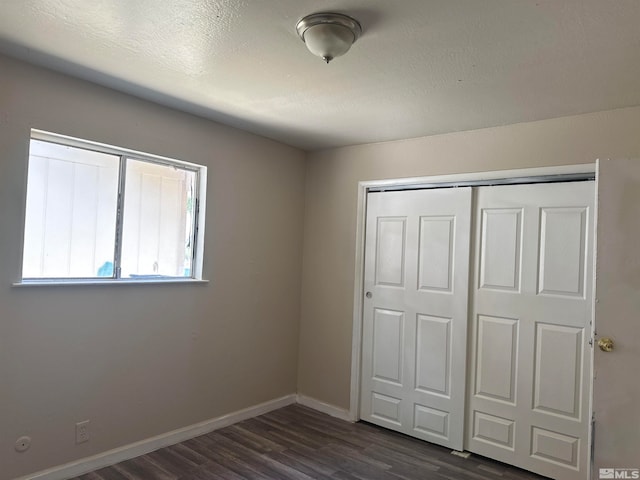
605	344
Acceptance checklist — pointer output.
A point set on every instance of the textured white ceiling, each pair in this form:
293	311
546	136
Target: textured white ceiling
421	67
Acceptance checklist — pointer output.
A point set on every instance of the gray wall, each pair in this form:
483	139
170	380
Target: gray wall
330	214
143	360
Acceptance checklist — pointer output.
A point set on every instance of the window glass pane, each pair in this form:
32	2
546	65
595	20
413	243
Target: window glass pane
71	212
158	221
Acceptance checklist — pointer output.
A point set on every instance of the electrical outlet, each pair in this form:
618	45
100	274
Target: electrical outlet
82	431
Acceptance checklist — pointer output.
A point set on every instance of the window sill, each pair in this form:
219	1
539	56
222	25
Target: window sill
76	282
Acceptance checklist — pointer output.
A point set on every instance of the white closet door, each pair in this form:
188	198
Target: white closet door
530	362
415	312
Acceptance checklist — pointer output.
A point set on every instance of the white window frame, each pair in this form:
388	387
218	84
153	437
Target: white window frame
125	154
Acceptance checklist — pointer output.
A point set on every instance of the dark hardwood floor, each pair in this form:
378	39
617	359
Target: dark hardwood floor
296	442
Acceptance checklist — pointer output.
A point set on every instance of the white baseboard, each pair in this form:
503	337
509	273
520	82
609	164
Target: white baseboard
120	454
325	408
142	447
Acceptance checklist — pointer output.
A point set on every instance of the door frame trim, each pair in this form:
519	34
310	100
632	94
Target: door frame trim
517	176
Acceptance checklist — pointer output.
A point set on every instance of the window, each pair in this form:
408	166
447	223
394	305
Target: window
96	212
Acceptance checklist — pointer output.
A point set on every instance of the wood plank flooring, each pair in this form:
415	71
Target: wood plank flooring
296	442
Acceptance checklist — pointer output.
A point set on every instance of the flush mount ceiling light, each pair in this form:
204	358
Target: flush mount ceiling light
328	35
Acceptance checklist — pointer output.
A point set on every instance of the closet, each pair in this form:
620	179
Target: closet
477	320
